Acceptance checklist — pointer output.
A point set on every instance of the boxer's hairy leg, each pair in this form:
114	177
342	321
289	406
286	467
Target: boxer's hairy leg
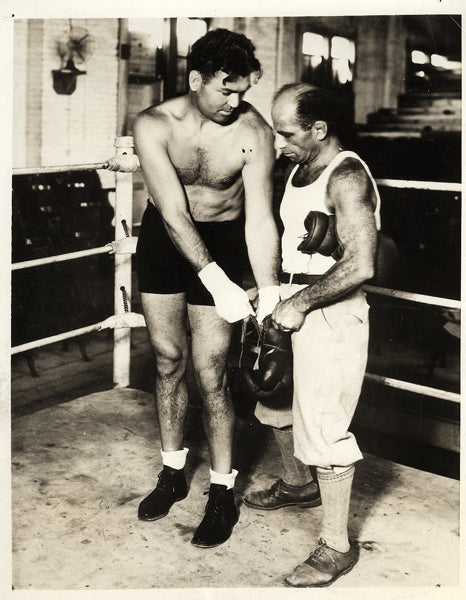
165	316
211	337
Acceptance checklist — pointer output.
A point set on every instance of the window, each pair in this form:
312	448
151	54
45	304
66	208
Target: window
343	55
328	61
432	72
146	38
187	32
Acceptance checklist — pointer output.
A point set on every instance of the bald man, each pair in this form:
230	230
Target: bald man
324	306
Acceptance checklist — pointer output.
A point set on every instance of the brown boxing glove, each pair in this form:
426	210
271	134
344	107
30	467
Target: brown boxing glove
265	369
321	237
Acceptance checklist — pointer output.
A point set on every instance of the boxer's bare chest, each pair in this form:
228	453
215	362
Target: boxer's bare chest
212	158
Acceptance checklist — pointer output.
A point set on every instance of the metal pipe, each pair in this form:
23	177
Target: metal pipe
36	262
412	297
123	225
414	387
438	186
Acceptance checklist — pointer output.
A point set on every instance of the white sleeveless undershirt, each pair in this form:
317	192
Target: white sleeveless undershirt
296	203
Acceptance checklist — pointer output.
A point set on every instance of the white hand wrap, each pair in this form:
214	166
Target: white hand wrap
231	301
269	297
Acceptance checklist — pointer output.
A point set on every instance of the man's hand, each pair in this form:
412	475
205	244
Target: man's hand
269	297
231	301
286	317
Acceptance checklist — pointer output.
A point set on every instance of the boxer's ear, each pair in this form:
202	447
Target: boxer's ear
321	129
195	81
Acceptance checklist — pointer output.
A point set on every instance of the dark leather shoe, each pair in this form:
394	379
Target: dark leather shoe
170	488
281	494
323	567
219	519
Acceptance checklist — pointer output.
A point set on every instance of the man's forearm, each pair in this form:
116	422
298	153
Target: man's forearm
188	242
337	283
263	246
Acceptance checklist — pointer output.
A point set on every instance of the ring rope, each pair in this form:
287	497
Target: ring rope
125	163
400	294
121	321
438	186
55	338
413	297
137	320
59	168
128	319
414	387
37	262
119	164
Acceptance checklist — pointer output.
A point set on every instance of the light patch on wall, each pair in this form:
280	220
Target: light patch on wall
419	58
343	48
187	32
442	62
315	44
150	29
343	54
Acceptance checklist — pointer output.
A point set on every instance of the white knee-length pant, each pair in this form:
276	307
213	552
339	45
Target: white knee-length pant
329	362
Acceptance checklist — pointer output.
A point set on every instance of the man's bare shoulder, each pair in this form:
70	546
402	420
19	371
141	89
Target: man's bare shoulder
350	170
160	117
351	176
254	127
251	117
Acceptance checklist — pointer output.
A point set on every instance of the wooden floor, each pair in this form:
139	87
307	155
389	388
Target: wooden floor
80	469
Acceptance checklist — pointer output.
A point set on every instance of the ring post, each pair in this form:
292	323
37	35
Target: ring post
123	212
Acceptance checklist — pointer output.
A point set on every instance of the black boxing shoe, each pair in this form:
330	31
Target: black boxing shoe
219	519
171	487
282	494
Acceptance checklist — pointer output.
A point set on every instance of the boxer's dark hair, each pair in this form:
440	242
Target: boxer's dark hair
313	104
223	50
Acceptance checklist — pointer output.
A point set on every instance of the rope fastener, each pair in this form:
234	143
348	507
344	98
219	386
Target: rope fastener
126	245
124	163
123	321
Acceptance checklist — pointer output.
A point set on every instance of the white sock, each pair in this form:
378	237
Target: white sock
227	479
175	459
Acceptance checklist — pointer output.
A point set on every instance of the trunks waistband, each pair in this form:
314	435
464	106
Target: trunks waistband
299	278
203	224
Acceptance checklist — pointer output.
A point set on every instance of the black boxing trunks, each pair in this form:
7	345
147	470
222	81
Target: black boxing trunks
161	269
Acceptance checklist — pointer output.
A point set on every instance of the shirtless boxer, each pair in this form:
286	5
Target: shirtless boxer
207	160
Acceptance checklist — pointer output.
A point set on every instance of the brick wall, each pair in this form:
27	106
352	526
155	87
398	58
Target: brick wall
57	129
264	34
50	128
20	92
